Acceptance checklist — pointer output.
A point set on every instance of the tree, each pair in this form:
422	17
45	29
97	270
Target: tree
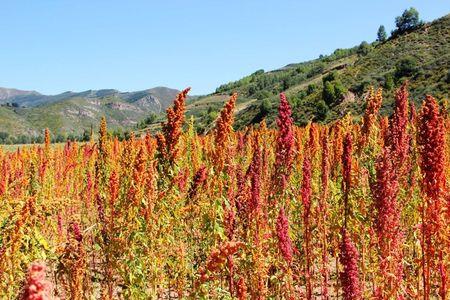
328	94
86	136
311	88
330	77
381	34
407	21
265	107
258	72
388	81
23	139
406	67
262	94
333	89
60	138
321	111
339	90
363	49
3	137
252	90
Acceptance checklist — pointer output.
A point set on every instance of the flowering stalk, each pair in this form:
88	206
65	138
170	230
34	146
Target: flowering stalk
217	260
323	212
349	277
347	173
101	189
199	179
222	131
113	195
397	136
285	246
241	289
73	262
306	193
374	100
431	144
47	141
285	145
255	180
16	234
172	128
284	241
387	227
37	287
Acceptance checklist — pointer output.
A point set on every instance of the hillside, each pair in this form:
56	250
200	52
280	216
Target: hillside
421	56
29	113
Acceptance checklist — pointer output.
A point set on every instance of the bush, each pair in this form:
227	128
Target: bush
252	89
389	81
328	92
311	88
265	107
317	69
262	94
321	111
4	137
339	90
363	48
333	89
406	67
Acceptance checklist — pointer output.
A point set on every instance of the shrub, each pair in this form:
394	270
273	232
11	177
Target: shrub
406	67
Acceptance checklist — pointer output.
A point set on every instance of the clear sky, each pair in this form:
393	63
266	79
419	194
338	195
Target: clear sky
57	45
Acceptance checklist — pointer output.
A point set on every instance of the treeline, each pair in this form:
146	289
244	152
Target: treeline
11	104
7	139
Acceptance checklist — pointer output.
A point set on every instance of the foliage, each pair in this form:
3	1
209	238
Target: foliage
406	67
364	48
409	20
150	119
333	89
381	34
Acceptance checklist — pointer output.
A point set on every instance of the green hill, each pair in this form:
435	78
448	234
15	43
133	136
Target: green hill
328	87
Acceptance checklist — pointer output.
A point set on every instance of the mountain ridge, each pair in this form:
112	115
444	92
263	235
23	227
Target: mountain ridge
29	113
34	98
9	93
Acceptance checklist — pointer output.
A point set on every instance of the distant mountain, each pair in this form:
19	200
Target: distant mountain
29	112
7	94
161	96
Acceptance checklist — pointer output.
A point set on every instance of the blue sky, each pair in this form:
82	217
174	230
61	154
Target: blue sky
55	46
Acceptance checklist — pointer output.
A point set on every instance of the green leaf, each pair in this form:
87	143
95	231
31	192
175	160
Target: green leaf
41	240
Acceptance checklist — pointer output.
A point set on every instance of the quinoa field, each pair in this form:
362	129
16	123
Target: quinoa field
353	209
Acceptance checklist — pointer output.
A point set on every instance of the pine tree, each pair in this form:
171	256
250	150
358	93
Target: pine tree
381	34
